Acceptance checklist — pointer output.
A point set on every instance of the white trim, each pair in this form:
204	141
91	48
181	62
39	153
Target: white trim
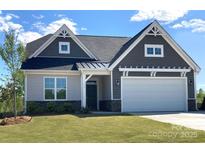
195	91
68	48
25	94
55	35
55	88
96	72
166	36
52	72
153	70
184	78
111	86
83	90
88	77
154	46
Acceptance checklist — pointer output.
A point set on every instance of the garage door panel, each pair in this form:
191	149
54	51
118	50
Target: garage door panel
153	94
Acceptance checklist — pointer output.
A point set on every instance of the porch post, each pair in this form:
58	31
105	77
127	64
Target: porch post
83	90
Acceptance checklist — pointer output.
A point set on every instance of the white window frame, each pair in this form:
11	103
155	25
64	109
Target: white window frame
153	46
55	88
64	43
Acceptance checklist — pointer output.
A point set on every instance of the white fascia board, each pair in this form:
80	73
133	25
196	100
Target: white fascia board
130	47
52	72
153	70
96	72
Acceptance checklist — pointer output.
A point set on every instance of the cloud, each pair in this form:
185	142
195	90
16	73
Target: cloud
42	29
28	36
0	12
60	15
6	24
196	25
166	16
55	25
83	29
38	16
13	15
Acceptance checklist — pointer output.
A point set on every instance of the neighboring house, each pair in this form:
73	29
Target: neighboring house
148	72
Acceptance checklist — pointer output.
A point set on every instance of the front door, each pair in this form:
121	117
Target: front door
91	95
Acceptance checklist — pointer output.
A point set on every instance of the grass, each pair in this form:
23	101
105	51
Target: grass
92	128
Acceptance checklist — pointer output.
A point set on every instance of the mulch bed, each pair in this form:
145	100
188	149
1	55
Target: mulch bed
15	120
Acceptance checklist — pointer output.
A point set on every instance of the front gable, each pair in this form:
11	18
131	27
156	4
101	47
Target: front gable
137	57
153	34
52	50
63	34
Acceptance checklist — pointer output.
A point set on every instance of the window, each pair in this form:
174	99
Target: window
64	47
55	88
153	50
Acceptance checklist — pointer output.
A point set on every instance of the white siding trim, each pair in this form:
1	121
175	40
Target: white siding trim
111	86
184	78
52	72
153	70
195	91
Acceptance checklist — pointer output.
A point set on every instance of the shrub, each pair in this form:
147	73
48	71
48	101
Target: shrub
68	108
202	107
85	110
59	108
51	107
36	108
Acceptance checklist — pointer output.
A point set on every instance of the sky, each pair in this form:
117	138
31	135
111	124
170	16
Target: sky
186	27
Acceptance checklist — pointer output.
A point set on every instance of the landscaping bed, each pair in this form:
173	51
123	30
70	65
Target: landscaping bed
15	120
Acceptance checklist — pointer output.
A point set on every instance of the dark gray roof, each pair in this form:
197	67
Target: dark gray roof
127	44
52	63
103	47
31	47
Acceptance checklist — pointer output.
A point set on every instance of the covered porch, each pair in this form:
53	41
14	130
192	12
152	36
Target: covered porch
95	84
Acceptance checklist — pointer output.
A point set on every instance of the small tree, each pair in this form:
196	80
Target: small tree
13	54
200	95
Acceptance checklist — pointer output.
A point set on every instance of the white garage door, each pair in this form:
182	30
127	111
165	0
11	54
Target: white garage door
153	94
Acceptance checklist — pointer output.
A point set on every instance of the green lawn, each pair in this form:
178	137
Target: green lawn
92	128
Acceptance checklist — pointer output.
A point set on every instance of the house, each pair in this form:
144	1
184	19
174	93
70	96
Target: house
148	72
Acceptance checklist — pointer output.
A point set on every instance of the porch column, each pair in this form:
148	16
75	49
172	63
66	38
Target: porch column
83	90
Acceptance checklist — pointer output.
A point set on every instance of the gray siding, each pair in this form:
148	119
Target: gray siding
136	58
35	87
53	49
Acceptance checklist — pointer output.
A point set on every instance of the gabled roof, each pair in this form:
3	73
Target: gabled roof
63	31
110	48
127	44
31	47
137	38
103	47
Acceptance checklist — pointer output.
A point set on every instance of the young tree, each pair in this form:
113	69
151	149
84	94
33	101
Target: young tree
200	95
13	54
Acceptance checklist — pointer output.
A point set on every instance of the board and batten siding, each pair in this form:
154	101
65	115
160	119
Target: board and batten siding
136	58
35	87
53	49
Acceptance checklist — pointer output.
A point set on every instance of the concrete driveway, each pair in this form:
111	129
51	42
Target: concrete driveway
194	120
